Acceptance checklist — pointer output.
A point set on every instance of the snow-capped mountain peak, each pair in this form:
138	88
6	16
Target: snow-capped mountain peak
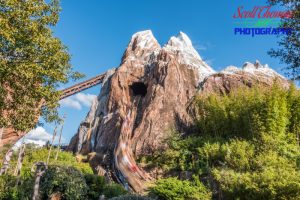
182	43
144	39
140	48
182	46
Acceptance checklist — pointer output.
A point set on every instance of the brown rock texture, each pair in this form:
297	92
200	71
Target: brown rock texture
249	75
147	96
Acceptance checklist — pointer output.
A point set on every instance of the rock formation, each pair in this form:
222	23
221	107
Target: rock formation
146	97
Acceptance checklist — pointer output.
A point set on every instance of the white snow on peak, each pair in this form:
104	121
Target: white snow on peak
250	66
141	47
144	39
231	70
253	68
183	47
182	43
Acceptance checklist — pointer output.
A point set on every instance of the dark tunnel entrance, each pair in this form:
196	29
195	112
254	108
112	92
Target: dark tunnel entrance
138	89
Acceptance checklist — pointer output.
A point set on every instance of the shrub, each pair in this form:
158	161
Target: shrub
174	189
113	190
95	185
270	183
131	197
66	180
9	190
7	187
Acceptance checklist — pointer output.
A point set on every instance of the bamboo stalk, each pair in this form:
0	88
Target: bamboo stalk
1	134
53	138
20	161
6	161
58	146
41	168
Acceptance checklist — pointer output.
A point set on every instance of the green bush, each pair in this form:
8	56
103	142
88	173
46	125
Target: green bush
174	189
131	197
9	190
7	187
66	180
95	185
64	159
113	190
34	154
270	183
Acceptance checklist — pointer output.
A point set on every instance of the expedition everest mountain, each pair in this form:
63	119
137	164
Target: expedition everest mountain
146	97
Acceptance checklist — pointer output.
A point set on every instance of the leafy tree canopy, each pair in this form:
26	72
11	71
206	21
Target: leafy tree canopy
289	50
33	62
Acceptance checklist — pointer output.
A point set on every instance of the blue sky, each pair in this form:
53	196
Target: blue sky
97	33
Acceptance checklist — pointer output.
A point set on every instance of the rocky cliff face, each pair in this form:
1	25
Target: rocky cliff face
147	96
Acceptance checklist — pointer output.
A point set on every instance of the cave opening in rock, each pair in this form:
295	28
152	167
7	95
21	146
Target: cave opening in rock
138	89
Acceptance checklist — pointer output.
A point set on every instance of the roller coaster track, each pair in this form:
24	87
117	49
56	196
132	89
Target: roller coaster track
82	86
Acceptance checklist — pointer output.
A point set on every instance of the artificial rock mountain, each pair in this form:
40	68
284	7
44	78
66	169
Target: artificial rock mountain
147	96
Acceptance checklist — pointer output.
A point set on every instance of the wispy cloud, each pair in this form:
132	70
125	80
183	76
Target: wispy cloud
71	103
78	100
85	99
200	47
203	46
38	136
39	133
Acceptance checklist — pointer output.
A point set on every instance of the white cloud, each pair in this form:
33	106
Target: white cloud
85	99
203	47
200	47
78	100
71	103
37	136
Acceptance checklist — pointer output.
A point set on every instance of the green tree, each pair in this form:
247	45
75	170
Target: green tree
289	44
33	62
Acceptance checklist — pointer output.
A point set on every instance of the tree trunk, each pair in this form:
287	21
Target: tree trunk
40	170
58	145
53	138
20	162
6	161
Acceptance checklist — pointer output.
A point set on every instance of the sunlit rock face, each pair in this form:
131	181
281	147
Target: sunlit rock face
146	98
233	77
153	81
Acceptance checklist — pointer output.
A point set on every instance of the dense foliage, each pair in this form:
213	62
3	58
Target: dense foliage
131	197
113	190
34	154
96	185
66	180
9	190
32	62
65	176
172	188
247	146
